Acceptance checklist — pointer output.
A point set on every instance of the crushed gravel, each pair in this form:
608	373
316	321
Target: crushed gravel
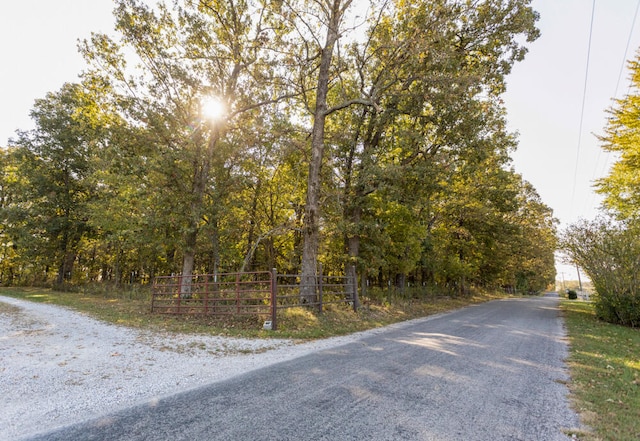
59	367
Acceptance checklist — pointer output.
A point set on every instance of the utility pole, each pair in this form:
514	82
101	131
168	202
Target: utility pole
579	280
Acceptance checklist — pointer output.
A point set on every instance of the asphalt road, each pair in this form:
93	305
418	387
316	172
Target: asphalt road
494	371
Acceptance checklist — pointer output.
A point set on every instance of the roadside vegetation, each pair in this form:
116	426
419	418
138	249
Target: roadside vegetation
607	251
605	334
605	374
132	308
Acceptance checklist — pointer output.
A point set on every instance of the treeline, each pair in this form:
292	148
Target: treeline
357	136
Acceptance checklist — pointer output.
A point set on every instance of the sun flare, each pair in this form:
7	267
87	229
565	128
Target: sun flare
213	108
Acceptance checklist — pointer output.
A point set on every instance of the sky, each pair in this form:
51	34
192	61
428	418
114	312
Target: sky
555	112
559	152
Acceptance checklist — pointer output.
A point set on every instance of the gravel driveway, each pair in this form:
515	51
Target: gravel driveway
59	367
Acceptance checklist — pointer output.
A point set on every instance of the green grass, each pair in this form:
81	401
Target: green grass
605	371
133	309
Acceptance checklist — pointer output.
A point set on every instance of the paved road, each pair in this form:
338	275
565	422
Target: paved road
493	371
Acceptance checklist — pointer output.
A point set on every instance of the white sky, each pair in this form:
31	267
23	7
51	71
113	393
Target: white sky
545	96
544	99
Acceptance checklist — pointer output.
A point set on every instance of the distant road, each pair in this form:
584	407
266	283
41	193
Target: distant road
490	372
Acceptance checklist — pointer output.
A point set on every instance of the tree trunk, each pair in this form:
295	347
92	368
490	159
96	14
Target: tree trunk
188	261
249	264
353	243
215	239
310	227
65	268
200	180
68	257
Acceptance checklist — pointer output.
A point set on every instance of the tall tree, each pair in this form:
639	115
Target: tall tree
319	26
11	185
425	70
374	138
186	55
532	262
621	187
56	159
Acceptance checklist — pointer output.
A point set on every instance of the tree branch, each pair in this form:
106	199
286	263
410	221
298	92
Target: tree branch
346	104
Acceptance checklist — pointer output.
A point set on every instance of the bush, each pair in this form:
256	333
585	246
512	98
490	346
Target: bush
609	253
572	295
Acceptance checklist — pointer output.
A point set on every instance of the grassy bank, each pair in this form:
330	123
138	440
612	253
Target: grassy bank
605	371
132	308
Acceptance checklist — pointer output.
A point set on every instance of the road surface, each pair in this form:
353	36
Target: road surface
494	371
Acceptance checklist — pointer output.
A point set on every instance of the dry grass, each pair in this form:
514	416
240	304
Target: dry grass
133	309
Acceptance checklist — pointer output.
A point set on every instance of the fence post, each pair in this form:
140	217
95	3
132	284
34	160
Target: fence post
354	285
274	298
319	283
237	293
179	293
206	294
154	290
216	295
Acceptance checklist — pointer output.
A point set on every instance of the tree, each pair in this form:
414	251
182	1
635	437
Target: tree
428	71
187	54
608	252
370	138
50	218
532	265
621	187
315	59
10	191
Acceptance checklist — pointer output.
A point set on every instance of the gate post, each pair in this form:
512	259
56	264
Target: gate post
274	298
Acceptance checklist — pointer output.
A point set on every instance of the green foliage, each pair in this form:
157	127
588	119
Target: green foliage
47	215
415	186
608	252
621	187
572	294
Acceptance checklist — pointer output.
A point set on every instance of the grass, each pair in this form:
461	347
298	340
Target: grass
605	371
132	309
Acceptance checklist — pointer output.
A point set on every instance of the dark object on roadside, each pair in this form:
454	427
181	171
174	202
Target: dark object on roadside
571	294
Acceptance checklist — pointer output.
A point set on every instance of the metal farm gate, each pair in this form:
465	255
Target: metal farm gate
253	293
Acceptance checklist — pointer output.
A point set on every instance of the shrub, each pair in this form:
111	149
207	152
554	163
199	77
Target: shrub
572	295
609	253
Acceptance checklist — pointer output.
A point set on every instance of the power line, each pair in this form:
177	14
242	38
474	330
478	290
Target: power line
626	50
584	96
599	171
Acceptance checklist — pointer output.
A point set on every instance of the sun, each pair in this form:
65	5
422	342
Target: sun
212	108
